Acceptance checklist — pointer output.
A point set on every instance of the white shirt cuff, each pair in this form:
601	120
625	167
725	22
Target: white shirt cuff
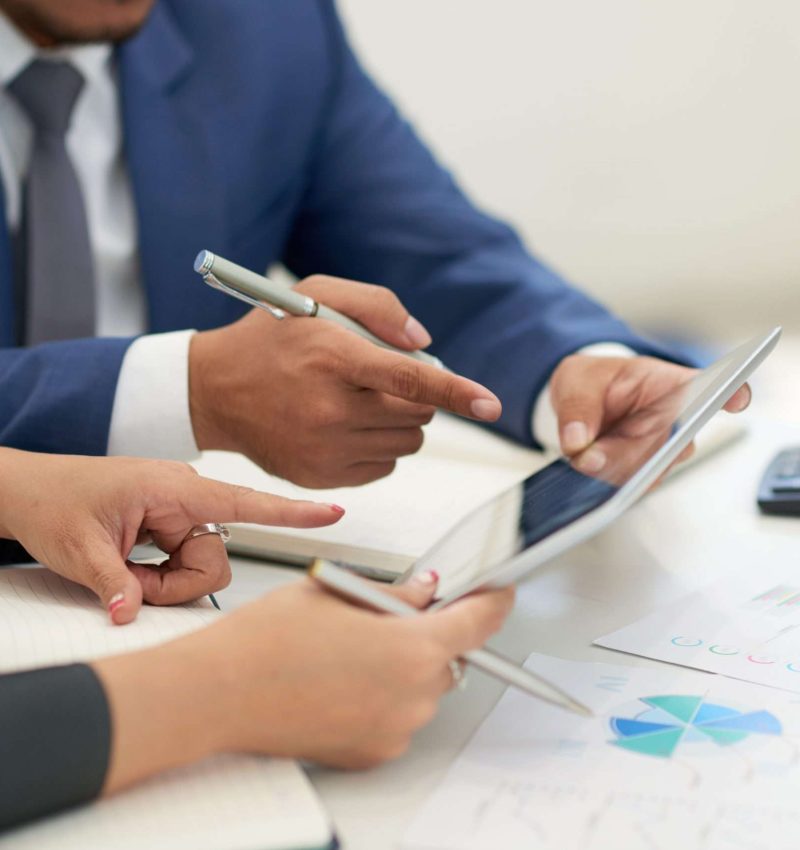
151	416
544	421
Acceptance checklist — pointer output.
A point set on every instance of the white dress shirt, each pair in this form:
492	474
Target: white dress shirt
150	416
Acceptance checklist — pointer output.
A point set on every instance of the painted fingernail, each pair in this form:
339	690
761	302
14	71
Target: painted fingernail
116	602
575	437
416	334
591	461
427	578
485	408
337	509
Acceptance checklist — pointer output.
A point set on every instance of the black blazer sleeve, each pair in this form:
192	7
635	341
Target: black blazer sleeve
55	737
12	552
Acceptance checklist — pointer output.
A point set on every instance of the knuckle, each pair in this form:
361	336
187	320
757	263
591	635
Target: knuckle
427	415
385	298
415	440
240	491
176	468
473	623
431	658
409	442
224	578
428	661
496	619
450	393
370	757
327	414
406	381
570	362
312	283
382	470
325	350
564	369
363	473
422	714
497	614
389	750
396	749
172	473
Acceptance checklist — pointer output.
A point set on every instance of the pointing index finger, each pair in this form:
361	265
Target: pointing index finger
400	376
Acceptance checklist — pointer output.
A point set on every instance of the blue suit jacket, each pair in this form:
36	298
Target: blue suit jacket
251	129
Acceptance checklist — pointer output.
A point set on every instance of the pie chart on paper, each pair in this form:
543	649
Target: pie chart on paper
660	725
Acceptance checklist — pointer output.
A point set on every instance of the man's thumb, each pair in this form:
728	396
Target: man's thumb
118	588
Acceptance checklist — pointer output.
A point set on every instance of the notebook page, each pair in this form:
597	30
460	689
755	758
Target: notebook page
46	619
232	802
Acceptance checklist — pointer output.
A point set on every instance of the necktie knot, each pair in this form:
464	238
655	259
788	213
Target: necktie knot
47	91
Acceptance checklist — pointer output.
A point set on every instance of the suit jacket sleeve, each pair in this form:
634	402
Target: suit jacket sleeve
58	397
379	208
55	734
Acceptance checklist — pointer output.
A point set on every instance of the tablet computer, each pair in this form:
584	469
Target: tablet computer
502	541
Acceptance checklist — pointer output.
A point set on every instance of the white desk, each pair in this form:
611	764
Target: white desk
684	535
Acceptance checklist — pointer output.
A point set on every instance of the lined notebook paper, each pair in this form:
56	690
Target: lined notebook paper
229	803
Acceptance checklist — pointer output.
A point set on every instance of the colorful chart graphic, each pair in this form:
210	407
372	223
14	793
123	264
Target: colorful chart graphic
671	721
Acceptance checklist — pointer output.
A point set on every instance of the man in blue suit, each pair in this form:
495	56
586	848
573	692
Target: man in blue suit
249	128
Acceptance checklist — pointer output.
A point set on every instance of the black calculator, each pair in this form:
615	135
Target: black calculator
779	491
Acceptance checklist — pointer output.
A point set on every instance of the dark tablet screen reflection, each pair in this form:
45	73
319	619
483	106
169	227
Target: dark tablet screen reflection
560	493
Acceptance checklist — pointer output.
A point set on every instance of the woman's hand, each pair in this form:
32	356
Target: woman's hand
81	516
299	673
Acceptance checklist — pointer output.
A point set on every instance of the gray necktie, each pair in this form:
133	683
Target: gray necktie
55	258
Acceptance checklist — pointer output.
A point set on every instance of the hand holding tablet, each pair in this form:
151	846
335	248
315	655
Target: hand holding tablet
562	505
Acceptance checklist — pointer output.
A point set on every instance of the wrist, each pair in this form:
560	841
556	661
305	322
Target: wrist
206	393
166	708
13	476
223	686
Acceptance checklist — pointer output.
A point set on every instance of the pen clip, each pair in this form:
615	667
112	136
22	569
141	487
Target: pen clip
215	283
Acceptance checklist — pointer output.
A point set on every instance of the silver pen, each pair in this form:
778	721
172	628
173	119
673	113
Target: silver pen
278	299
354	587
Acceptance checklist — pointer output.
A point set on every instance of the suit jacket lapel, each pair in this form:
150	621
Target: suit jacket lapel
170	161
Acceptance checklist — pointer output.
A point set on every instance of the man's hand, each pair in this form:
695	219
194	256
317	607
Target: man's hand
590	395
315	403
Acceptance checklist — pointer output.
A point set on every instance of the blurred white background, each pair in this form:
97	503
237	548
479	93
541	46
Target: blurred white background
648	149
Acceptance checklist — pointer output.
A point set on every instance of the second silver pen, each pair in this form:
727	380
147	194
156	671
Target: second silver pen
260	291
354	587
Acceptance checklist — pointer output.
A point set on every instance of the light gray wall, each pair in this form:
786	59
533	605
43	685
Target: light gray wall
650	149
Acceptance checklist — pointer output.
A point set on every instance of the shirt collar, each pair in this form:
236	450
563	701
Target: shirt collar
17	51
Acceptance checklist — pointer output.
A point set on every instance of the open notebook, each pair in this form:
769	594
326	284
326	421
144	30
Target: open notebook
234	802
392	522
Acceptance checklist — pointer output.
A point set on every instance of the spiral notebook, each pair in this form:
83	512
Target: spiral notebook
234	802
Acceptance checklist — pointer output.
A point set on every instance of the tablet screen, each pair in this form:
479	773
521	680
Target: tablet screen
564	491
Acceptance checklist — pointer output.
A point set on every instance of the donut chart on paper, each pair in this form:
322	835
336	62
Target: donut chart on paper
666	722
